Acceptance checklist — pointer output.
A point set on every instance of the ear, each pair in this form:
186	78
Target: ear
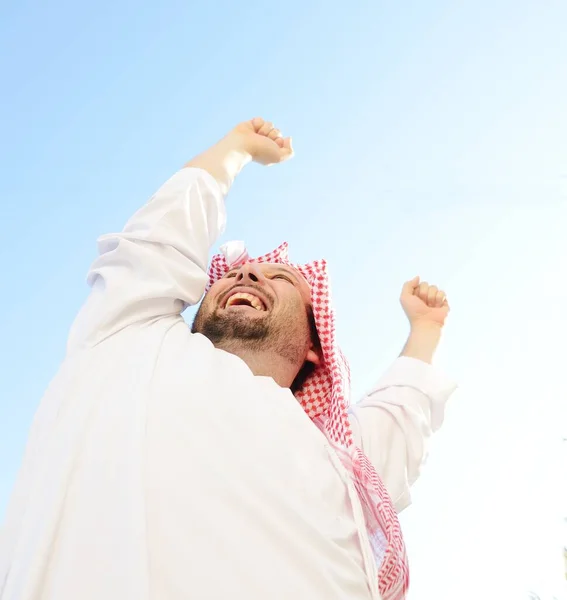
313	357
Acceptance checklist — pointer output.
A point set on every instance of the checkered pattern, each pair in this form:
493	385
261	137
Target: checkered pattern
325	398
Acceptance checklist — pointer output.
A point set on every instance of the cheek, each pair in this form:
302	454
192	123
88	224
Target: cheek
290	298
207	305
215	292
297	312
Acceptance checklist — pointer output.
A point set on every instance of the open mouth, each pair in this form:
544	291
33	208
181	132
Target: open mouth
245	299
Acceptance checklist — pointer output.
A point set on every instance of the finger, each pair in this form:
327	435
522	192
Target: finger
286	154
440	298
257	123
280	142
266	128
431	295
421	291
288	147
275	134
409	286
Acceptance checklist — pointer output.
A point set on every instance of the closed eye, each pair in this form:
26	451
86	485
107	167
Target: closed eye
279	276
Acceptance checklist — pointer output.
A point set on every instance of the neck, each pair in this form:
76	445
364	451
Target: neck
264	363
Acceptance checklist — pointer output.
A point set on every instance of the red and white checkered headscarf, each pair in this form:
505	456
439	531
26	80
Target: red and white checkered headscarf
325	398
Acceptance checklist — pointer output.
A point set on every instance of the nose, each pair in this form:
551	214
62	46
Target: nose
249	273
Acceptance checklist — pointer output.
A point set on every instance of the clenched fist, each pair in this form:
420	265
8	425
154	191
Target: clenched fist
424	303
263	141
256	140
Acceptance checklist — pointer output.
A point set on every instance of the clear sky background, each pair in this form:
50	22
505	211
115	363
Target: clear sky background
431	139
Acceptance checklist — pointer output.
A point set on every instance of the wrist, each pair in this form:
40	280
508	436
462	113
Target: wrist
426	327
423	340
223	161
237	146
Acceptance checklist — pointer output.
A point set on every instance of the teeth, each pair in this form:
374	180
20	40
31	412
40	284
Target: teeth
254	301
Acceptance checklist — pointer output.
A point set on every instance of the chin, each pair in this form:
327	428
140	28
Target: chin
224	326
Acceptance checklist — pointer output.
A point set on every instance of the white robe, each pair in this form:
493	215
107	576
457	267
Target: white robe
159	467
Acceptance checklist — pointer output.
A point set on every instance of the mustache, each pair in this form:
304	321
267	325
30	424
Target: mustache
261	293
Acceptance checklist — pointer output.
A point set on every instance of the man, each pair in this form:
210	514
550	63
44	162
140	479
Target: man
171	464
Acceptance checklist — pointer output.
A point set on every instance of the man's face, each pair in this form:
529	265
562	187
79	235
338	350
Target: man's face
261	306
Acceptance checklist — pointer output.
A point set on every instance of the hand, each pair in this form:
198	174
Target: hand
262	141
424	303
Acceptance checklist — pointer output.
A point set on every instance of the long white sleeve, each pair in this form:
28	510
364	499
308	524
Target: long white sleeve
157	266
393	423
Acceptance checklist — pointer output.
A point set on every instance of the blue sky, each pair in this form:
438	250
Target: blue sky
430	139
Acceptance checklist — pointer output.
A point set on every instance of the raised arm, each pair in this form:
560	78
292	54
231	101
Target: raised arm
393	423
156	266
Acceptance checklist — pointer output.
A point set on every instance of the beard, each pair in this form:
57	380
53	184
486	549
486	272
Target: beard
281	334
223	326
